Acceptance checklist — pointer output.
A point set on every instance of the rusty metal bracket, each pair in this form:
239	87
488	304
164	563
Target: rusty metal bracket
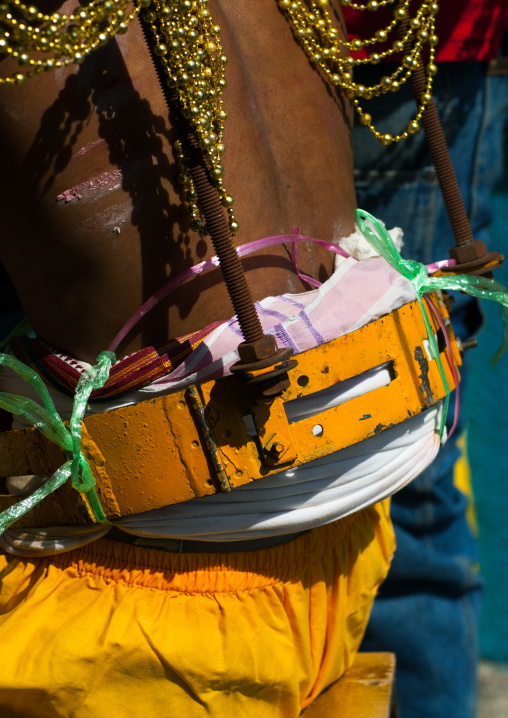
473	258
264	370
207	435
264	367
274	433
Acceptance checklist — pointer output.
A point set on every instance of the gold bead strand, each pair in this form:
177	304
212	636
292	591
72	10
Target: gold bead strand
188	44
314	30
402	73
372	6
414	125
355	45
309	19
67	38
416	22
381	35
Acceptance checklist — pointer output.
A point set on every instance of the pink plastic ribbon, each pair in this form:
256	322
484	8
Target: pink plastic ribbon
242	251
452	363
434	266
304	277
208	264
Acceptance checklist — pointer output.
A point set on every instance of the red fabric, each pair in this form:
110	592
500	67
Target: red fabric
128	374
468	30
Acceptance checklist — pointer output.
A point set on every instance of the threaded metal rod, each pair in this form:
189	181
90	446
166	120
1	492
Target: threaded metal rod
213	211
438	149
441	158
218	226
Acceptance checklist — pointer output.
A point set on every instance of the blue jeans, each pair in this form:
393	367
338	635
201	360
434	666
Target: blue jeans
427	610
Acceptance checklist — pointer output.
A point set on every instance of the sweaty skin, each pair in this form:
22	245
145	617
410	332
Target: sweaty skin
92	217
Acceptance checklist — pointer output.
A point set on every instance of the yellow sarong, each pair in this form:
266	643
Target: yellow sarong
122	631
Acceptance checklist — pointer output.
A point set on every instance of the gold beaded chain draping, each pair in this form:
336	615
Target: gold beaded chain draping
187	41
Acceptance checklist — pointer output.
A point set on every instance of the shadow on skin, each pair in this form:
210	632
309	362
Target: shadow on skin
134	137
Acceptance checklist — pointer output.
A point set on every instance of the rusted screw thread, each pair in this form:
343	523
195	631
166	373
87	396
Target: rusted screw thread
441	158
439	151
215	217
218	226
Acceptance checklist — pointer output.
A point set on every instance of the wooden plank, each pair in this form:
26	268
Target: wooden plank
366	690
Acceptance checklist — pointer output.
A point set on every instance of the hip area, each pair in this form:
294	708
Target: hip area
261	632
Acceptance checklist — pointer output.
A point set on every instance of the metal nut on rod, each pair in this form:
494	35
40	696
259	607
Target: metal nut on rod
264	367
473	258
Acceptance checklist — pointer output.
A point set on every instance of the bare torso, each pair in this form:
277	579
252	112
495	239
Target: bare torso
92	218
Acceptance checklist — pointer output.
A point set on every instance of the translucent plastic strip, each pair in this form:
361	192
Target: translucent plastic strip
481	287
377	236
452	364
94	378
48	422
9	516
30	376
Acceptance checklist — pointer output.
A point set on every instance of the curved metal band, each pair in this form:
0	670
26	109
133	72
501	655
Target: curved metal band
155	453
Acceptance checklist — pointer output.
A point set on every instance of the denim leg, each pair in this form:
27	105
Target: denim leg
427	610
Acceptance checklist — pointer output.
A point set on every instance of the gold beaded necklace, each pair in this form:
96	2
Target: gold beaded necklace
188	44
68	39
312	27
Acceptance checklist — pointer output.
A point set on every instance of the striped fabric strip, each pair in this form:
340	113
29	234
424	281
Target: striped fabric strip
312	329
265	311
285	339
290	299
128	374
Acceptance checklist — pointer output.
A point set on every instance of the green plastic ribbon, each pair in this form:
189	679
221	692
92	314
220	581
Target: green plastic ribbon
48	422
377	236
9	516
480	287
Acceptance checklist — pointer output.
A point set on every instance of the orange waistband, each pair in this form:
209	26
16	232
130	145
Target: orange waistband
113	561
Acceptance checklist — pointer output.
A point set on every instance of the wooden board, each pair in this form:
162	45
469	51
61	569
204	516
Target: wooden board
366	690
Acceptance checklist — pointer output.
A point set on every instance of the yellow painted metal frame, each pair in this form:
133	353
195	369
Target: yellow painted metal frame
156	453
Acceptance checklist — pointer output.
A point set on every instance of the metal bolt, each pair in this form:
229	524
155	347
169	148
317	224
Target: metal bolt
469	344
